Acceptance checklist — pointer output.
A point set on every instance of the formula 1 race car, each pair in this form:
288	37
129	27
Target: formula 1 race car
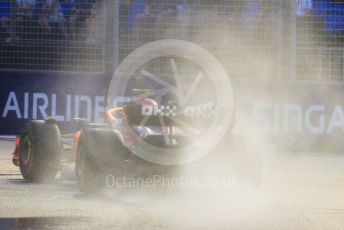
101	149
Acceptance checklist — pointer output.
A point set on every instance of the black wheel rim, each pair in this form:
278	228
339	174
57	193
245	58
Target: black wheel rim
25	151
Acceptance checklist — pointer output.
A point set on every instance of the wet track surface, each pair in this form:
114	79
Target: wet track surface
300	191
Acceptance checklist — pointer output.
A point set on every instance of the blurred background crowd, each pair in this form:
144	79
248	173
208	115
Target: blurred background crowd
68	19
73	34
45	19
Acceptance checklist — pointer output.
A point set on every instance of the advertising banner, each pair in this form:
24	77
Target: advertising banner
303	115
37	95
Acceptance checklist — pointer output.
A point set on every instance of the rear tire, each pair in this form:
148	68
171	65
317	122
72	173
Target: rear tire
39	151
100	153
89	179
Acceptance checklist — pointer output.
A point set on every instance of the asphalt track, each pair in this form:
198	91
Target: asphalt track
299	191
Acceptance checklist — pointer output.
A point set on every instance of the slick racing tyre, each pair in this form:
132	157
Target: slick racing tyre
88	178
99	153
39	151
89	174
